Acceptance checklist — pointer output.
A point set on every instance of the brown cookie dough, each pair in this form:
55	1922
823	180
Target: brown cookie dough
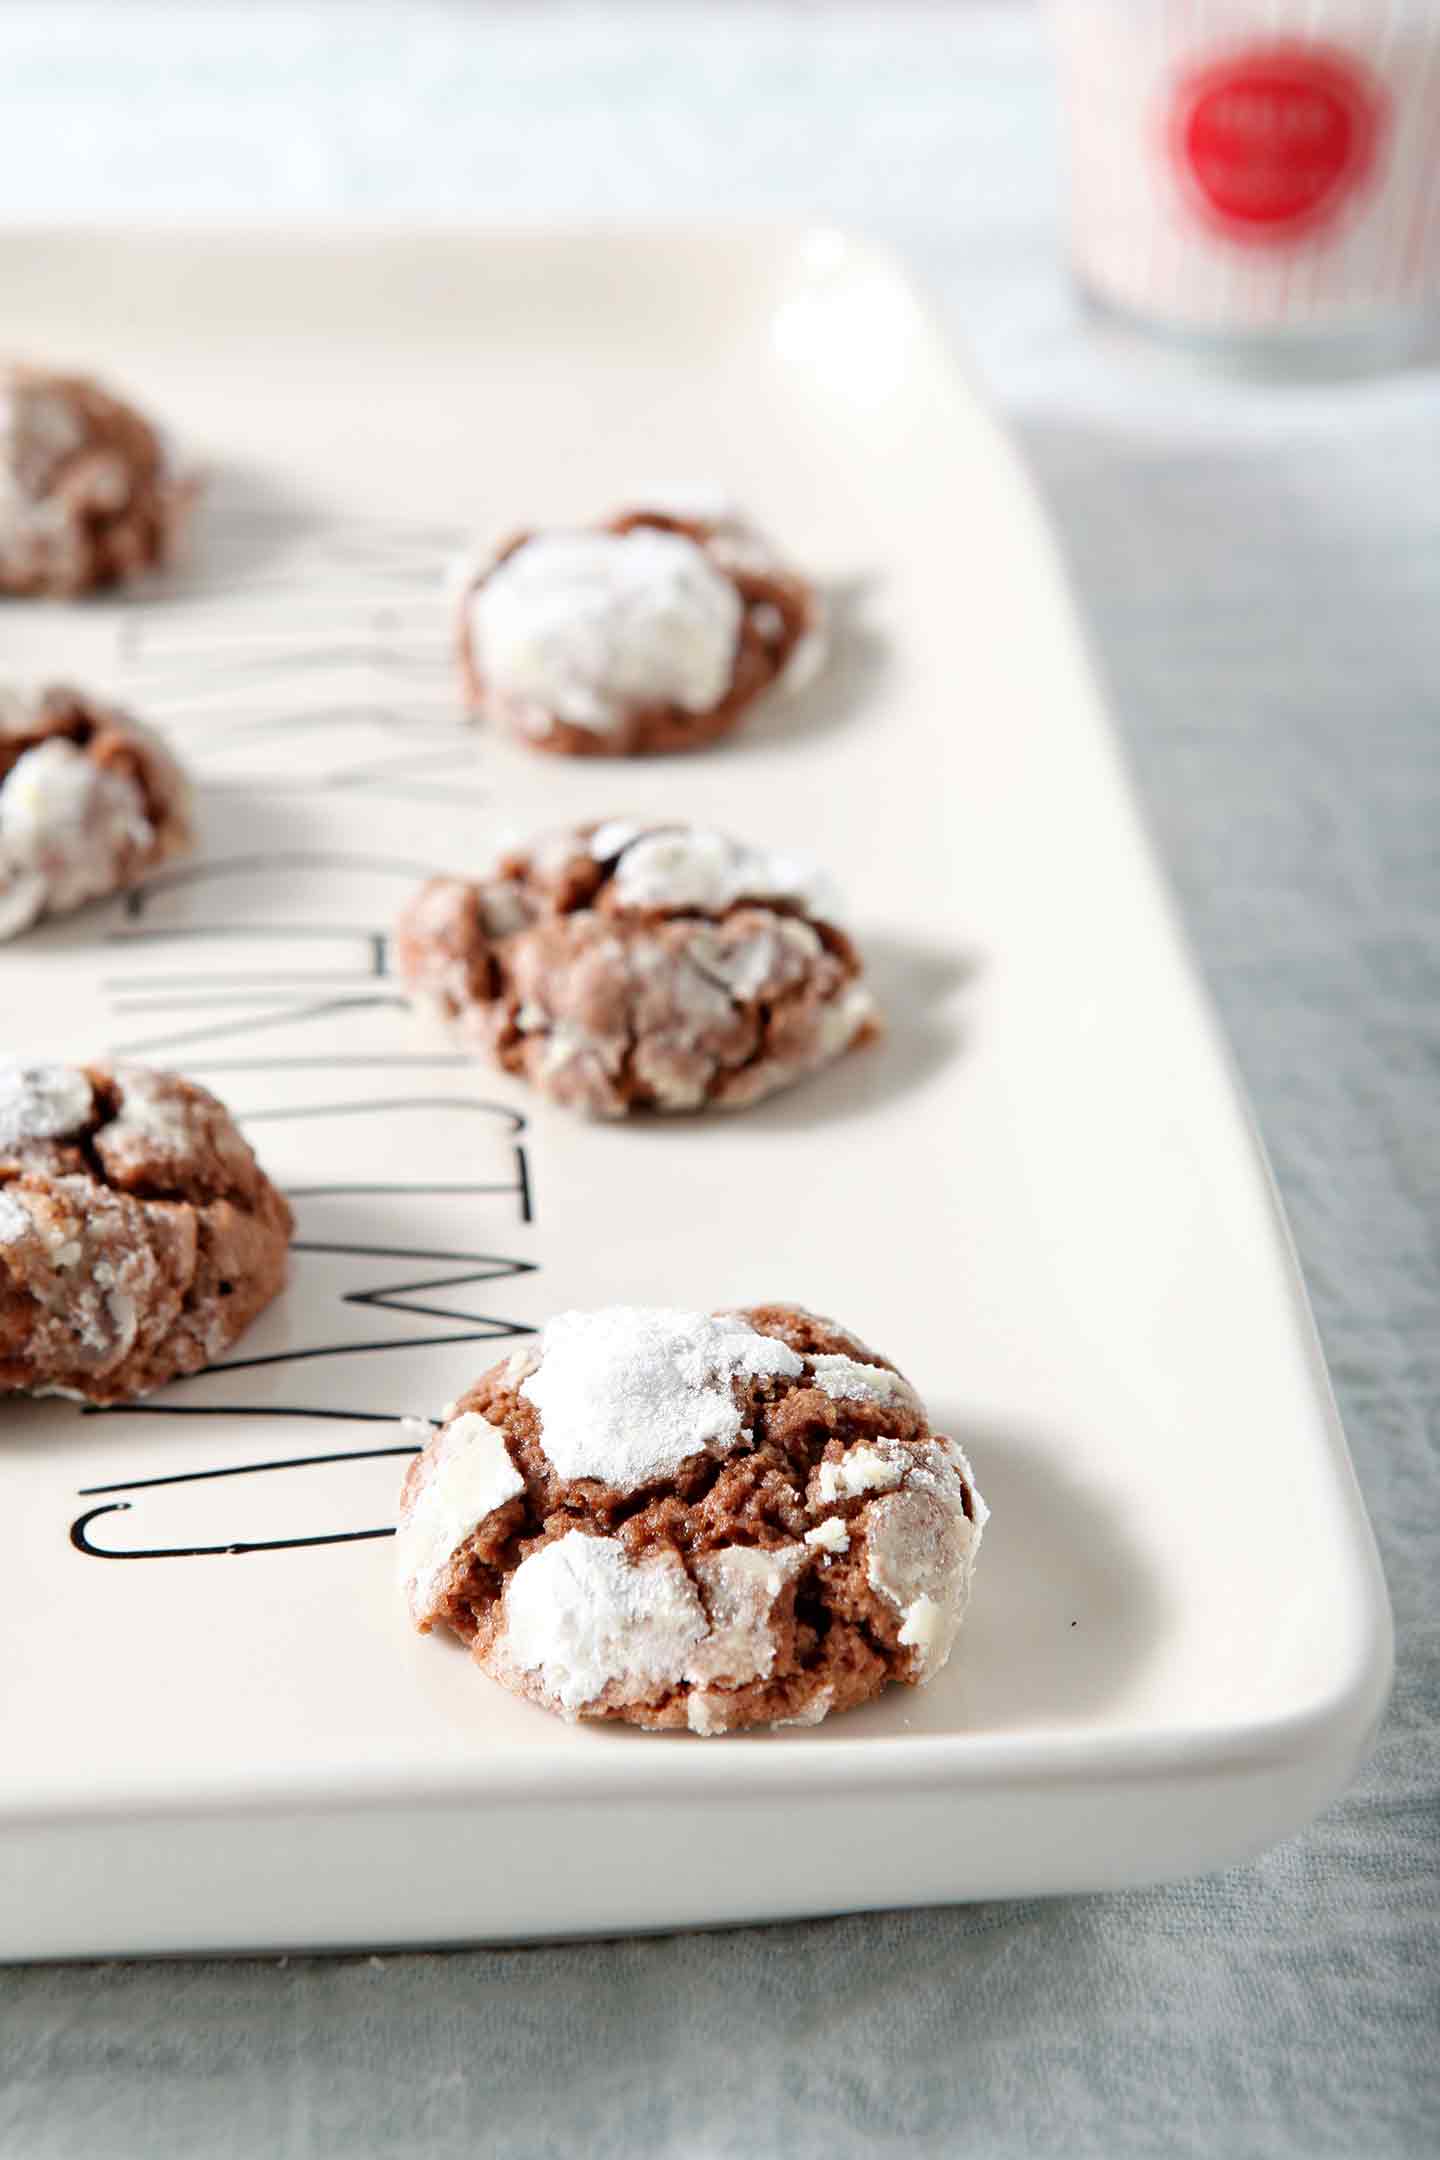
138	1235
88	496
693	1520
90	801
621	967
651	632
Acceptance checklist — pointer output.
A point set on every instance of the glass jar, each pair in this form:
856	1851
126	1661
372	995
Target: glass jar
1260	176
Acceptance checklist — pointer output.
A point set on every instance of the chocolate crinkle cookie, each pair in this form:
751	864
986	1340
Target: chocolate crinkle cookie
693	1520
651	632
88	492
138	1235
90	801
621	967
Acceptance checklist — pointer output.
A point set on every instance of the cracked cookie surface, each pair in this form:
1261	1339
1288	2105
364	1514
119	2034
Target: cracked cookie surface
139	1237
90	803
698	1521
88	493
652	632
623	967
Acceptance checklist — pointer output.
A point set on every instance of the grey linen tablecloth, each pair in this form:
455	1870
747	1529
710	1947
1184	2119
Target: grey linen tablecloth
1261	569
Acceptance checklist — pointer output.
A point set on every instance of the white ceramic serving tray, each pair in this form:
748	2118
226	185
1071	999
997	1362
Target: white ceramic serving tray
1041	1196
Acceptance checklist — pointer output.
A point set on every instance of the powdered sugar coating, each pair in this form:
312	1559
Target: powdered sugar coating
652	632
63	825
846	1379
41	1101
588	1621
585	625
96	1268
694	869
14	1219
866	1469
706	1712
151	1111
740	1585
92	802
743	966
46	790
921	1544
628	1393
470	1475
612	837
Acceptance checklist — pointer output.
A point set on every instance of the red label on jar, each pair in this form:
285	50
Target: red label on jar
1276	138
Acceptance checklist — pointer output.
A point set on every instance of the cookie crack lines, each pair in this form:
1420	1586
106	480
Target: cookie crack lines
691	1520
621	967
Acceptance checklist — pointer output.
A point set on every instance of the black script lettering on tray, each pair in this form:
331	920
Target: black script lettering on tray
188	975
